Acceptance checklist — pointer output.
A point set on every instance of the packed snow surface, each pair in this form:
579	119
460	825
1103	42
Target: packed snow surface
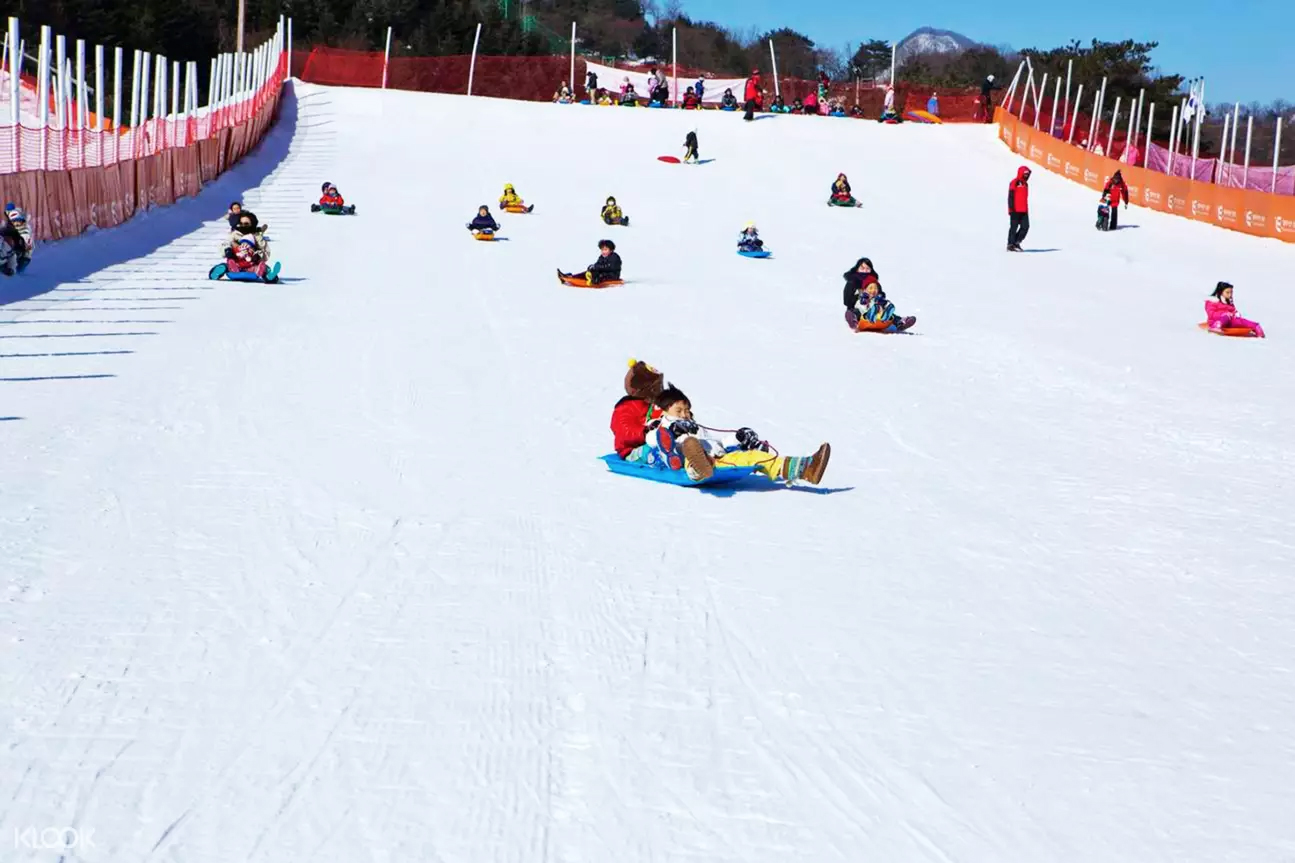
329	570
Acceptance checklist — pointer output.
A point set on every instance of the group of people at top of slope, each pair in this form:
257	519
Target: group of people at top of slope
653	424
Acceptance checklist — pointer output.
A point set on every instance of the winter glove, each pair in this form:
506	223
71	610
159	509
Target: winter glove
678	428
747	439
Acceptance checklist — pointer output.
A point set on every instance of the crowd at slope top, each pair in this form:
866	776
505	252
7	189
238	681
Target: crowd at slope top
754	97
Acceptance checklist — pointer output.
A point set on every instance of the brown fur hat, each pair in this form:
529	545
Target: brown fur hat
642	381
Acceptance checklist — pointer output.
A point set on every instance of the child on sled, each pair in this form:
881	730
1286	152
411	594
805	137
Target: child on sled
612	214
247	249
15	240
1221	312
841	196
749	240
484	223
1104	214
865	301
510	198
606	269
331	199
678	441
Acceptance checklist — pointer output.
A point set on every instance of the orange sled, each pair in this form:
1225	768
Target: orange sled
578	281
518	208
1240	332
481	235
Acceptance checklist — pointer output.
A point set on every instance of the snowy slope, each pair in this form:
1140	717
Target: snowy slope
328	571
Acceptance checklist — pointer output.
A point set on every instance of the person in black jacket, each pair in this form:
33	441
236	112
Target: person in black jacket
986	97
484	223
606	269
690	149
15	240
861	272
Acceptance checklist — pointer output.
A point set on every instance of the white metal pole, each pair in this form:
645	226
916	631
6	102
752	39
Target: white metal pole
893	47
1277	148
145	109
1236	121
1245	172
241	18
1074	117
60	94
213	86
98	88
1151	121
571	78
1070	66
1137	123
1115	120
13	51
1101	106
1223	150
1056	100
188	108
773	58
1173	141
82	96
472	66
175	88
134	92
1129	138
116	103
674	62
1092	121
42	95
1038	99
288	74
1010	95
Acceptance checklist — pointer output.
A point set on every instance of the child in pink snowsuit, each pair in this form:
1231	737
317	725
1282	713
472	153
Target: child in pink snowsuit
1221	313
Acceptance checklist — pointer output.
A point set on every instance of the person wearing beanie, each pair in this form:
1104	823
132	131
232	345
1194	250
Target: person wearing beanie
632	413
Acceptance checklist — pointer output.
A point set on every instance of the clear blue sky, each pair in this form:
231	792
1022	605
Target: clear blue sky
1245	48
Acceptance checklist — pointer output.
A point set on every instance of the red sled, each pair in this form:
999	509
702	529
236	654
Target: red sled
1239	332
673	160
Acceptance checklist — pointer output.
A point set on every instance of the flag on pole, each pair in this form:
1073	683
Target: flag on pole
1195	106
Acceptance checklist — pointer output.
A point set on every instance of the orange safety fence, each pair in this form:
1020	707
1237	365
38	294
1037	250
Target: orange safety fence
1261	214
81	178
536	79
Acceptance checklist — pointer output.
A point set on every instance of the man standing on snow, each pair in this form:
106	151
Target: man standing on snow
986	97
1119	192
1018	209
752	95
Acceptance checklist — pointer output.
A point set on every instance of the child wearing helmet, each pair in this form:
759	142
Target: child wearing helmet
484	223
606	269
15	240
749	240
330	197
612	214
1221	312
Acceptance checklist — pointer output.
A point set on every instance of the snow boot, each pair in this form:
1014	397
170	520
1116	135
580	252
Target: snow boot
697	462
808	468
902	324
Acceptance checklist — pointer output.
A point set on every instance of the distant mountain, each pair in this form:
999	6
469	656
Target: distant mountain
928	40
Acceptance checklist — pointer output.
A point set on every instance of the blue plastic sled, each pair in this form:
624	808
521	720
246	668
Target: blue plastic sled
754	253
658	473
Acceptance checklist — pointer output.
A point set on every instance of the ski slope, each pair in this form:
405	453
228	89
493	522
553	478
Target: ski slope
329	571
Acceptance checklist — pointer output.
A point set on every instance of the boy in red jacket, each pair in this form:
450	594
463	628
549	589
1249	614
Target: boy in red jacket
631	414
1018	209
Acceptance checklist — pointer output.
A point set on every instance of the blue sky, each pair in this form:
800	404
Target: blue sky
1245	49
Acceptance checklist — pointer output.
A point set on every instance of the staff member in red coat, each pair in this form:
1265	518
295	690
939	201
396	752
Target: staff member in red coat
1119	192
752	95
1018	209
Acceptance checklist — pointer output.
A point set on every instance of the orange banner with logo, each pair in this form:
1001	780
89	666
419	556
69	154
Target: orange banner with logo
1257	213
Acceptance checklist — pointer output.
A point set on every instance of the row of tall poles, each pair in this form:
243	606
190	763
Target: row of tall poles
234	79
1191	109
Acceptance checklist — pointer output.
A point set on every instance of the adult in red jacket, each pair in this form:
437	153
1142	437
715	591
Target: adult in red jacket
752	95
1018	209
629	418
1118	191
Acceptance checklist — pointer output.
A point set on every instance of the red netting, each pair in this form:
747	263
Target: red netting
70	179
